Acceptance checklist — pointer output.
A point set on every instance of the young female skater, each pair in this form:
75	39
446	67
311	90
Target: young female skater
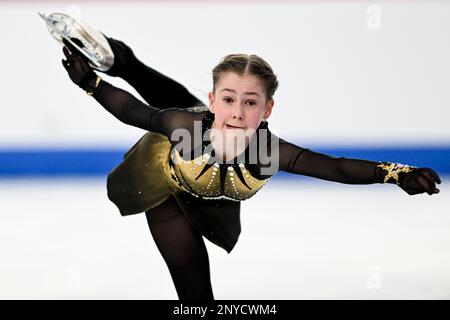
190	187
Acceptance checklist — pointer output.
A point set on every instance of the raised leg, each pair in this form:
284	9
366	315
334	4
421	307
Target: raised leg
157	89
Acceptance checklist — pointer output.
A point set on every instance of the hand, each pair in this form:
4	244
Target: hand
77	66
420	180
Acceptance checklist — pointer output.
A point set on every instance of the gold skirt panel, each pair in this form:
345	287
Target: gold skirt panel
143	180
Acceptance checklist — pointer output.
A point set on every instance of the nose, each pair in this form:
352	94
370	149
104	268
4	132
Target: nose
238	112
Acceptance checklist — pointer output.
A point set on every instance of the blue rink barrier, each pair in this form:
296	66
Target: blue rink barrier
96	162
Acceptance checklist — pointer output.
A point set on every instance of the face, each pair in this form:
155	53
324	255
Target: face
239	103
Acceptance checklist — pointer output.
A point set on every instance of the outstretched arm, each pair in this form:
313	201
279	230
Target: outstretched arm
120	103
303	161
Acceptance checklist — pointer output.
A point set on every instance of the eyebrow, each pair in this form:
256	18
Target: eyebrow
234	91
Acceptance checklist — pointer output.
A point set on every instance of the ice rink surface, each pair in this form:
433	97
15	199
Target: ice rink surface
301	239
353	74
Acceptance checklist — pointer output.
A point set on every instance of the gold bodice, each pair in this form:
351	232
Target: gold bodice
207	179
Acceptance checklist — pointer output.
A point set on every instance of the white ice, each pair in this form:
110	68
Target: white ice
306	239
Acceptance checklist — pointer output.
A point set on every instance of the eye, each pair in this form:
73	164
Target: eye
227	99
251	102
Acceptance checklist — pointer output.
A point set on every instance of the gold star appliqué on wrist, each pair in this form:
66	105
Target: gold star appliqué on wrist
393	171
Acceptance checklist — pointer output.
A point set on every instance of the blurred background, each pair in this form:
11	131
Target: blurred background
359	79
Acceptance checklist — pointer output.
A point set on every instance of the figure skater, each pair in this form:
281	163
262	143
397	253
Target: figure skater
191	188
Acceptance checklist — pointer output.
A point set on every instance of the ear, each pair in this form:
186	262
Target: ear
211	101
269	107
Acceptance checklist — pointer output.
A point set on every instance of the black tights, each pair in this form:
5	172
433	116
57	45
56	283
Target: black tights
183	250
181	246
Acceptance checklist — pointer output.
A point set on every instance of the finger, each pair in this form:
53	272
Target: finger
66	52
431	181
423	182
83	62
69	62
429	177
64	63
77	42
78	57
75	55
71	47
68	44
435	175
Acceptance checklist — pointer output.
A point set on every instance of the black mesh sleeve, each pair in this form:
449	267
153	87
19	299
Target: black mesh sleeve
124	106
298	160
130	110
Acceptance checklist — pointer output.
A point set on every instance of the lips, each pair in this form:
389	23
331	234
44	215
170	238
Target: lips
232	127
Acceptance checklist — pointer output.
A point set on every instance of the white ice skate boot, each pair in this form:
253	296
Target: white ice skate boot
90	42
